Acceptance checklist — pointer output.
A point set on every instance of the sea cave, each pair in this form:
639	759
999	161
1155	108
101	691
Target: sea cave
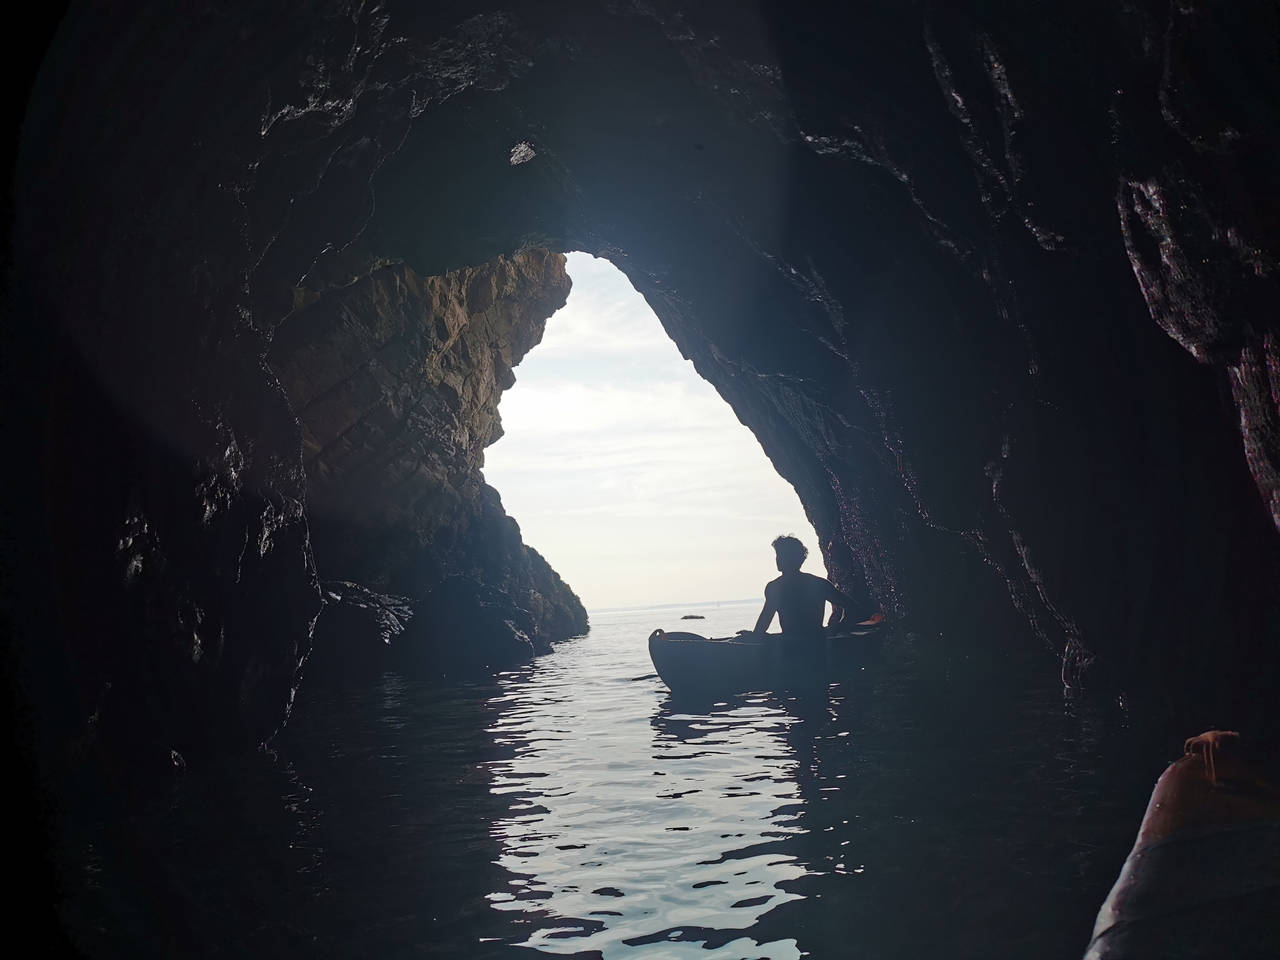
994	285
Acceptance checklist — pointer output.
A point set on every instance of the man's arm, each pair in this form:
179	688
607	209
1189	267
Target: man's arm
840	605
766	615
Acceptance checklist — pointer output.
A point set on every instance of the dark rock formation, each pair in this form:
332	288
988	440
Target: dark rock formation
459	627
396	380
165	580
472	628
354	632
994	284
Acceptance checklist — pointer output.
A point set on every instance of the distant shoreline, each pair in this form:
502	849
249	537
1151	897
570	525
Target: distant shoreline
669	606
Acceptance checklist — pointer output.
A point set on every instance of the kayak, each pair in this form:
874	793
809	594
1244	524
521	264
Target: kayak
1203	879
692	664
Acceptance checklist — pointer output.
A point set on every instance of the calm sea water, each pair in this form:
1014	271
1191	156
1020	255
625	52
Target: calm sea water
919	808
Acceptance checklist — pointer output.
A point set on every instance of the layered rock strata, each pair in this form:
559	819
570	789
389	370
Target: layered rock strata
396	379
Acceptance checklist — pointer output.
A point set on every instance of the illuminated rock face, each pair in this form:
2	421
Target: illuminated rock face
395	379
996	291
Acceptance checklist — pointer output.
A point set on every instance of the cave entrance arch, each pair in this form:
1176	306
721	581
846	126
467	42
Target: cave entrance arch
625	465
845	223
626	469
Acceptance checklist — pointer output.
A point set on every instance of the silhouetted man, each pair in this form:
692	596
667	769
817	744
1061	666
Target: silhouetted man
798	598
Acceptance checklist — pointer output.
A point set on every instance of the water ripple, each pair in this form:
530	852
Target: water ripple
917	809
656	830
667	829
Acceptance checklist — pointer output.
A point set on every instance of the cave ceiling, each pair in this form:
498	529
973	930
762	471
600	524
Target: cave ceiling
993	283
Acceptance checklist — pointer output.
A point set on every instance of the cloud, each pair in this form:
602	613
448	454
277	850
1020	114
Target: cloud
628	471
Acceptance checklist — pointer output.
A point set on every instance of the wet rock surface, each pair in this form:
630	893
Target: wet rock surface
396	379
353	633
994	285
466	627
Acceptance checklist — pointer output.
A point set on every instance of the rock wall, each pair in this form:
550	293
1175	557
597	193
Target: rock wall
993	283
911	247
396	379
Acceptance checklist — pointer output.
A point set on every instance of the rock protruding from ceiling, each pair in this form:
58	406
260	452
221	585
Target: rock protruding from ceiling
396	380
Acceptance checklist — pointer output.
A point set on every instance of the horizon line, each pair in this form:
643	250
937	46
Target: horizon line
664	606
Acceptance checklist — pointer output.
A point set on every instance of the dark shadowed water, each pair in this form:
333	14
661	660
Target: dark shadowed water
571	808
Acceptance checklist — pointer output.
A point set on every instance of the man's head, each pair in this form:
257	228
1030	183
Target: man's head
790	552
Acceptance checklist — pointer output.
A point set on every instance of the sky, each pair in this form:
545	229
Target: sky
626	470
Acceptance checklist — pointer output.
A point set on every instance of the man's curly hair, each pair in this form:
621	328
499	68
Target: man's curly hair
788	545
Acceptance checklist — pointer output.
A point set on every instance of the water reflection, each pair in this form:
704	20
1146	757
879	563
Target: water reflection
365	833
641	833
198	870
573	808
899	812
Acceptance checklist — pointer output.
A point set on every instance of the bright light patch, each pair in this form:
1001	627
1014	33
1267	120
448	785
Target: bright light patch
626	470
